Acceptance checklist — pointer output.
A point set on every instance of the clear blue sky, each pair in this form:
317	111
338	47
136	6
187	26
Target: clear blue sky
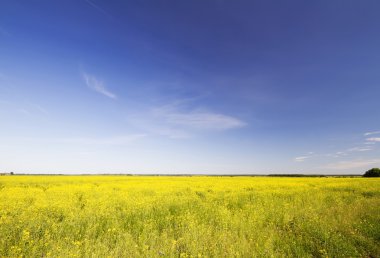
96	86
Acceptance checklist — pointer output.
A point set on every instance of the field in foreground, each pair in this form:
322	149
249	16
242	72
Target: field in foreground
135	216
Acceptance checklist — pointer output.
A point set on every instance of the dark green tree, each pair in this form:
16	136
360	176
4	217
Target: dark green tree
373	172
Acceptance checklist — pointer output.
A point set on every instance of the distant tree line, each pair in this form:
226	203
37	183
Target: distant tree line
6	174
373	172
296	175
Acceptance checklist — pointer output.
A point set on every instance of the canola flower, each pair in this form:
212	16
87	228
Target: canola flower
142	216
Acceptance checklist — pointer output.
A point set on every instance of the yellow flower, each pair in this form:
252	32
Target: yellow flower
25	235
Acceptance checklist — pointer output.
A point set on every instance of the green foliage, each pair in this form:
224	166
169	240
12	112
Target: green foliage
374	172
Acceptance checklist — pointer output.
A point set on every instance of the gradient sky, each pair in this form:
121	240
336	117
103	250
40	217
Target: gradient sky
96	86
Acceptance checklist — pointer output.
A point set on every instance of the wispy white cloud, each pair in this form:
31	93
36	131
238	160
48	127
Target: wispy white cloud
198	119
97	85
352	164
337	154
310	154
368	145
97	7
360	149
177	120
301	158
204	120
373	139
371	133
348	151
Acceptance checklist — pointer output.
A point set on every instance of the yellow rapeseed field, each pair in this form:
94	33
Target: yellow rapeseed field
162	216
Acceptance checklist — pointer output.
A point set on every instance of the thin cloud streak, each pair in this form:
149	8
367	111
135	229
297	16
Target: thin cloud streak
352	164
204	120
310	154
367	146
301	158
373	139
360	149
198	119
93	83
340	154
177	121
371	133
97	7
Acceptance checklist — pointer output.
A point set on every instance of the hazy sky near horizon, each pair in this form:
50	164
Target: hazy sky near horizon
96	86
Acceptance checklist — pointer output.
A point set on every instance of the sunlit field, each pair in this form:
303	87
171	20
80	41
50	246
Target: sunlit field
138	216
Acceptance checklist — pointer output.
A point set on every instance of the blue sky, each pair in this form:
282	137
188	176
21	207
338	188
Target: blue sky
95	86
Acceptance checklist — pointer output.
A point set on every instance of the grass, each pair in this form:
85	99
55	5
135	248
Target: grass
136	216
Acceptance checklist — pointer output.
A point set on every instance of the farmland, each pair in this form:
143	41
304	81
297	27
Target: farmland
146	216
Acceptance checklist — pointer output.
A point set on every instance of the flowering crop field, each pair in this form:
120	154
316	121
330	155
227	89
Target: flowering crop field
163	216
